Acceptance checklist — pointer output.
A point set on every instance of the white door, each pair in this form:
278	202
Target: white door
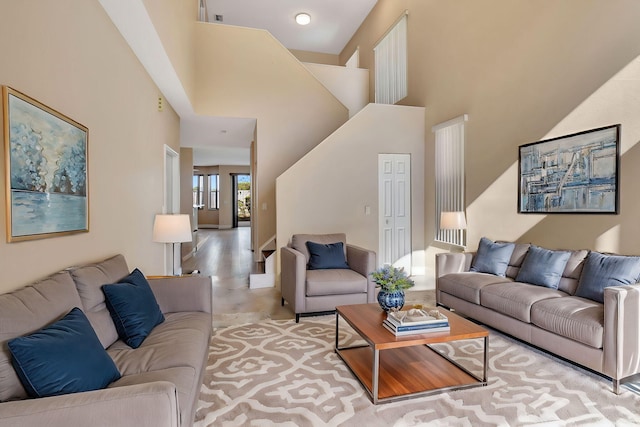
394	207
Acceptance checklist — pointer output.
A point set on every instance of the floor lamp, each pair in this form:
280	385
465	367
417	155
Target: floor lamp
172	228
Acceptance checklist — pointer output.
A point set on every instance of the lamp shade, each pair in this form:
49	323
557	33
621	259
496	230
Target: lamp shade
452	221
172	228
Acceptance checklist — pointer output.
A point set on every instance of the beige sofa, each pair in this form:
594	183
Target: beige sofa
161	378
321	290
603	337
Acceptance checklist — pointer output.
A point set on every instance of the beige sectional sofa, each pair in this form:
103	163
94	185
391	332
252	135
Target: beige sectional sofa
602	336
160	380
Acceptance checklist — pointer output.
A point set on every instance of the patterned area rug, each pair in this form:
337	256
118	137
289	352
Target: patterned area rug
279	373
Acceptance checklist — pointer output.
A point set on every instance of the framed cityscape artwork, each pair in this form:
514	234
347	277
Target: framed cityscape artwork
576	173
46	170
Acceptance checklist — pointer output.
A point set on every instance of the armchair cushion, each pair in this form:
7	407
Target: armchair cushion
326	256
299	241
335	282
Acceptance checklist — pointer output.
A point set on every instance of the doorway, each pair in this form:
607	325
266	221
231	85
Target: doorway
394	207
241	198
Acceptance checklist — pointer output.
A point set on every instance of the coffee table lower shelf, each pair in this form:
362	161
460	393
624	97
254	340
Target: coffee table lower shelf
406	372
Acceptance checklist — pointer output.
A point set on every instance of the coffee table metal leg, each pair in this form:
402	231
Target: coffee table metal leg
375	375
486	358
337	334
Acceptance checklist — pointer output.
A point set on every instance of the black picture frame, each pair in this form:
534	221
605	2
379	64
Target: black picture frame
572	174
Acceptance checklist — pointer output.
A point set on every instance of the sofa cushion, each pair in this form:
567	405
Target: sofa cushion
299	241
64	357
576	318
467	285
492	257
333	282
183	378
601	271
25	311
517	257
543	267
515	299
133	308
89	280
569	280
181	340
323	256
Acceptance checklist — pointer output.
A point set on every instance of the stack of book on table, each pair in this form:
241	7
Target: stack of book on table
415	321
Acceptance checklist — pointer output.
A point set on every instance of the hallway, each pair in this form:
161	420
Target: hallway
225	255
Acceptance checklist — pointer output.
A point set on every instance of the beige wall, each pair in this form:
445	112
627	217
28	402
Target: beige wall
349	85
524	71
247	73
84	69
315	57
174	22
329	189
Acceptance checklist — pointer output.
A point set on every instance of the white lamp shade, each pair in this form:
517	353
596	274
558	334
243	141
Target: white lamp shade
452	221
172	228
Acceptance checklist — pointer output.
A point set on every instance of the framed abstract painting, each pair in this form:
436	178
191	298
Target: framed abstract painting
577	173
46	170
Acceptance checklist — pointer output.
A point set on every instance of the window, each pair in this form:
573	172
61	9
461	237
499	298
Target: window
390	58
449	167
198	190
214	191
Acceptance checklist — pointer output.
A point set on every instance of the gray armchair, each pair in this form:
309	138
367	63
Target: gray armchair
319	291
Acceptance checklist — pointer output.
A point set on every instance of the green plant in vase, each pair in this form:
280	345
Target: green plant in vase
392	282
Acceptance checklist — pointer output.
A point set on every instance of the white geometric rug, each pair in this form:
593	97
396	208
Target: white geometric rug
279	373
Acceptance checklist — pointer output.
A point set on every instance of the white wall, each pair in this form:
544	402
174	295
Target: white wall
349	85
327	190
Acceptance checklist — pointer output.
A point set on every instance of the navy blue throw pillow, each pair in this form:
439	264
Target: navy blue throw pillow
601	270
133	308
492	257
64	357
543	267
326	256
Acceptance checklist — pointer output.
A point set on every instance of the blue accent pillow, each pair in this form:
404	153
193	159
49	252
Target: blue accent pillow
601	270
326	256
133	308
492	257
543	267
64	357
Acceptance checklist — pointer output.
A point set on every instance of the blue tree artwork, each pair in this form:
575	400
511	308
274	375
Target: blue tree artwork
47	170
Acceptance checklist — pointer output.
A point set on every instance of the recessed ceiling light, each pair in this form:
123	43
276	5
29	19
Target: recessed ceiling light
303	18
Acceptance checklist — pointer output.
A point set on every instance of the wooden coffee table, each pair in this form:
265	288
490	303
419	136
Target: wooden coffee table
393	368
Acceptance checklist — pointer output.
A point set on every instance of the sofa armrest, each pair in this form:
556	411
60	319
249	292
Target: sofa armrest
142	405
621	332
184	293
363	261
293	274
447	263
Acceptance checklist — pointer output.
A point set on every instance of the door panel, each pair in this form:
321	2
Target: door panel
394	193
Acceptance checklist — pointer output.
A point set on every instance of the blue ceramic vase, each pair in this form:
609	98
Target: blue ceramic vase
389	300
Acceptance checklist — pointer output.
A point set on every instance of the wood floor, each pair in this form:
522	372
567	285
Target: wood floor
226	256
